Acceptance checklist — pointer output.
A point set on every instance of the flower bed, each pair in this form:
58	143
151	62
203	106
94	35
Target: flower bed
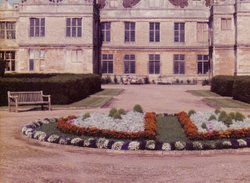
30	130
71	125
215	130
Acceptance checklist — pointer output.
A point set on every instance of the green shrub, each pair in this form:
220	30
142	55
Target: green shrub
138	108
112	112
121	112
232	115
228	121
222	116
117	115
241	89
63	88
2	67
204	126
212	117
191	112
223	85
239	116
217	111
86	115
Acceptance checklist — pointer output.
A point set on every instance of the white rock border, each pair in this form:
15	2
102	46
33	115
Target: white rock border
30	131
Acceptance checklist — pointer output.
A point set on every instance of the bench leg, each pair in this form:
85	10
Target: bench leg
16	107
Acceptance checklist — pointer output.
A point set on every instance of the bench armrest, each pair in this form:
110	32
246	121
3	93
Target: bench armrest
13	98
46	96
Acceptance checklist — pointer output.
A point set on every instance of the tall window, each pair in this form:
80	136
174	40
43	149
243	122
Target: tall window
226	23
9	57
35	56
7	30
179	64
179	32
129	64
154	32
107	64
154	64
202	32
73	27
129	32
37	27
106	34
202	64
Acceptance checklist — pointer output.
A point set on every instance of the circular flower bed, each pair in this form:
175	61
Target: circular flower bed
30	130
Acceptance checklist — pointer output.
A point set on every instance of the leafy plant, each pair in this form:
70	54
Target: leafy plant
138	108
212	117
2	67
228	121
121	111
86	115
191	112
117	115
204	126
115	79
217	111
112	112
239	116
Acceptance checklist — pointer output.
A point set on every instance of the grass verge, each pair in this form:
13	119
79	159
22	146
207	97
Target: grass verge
169	129
225	103
109	92
203	93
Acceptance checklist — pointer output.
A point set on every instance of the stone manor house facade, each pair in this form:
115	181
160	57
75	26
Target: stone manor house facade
169	38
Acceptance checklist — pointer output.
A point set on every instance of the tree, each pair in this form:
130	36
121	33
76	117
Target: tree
2	67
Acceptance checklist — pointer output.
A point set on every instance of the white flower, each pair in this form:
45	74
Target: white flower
38	134
180	145
150	144
242	143
117	145
130	122
166	147
42	137
102	143
63	141
86	142
53	138
227	143
28	131
24	129
76	141
197	145
134	145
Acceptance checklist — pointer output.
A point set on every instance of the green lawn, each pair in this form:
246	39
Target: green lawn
169	129
203	93
110	92
225	103
91	102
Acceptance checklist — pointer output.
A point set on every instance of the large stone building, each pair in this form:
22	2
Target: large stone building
172	38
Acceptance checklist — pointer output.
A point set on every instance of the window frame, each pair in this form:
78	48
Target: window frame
129	62
74	27
11	60
37	27
106	32
129	32
203	59
5	31
155	61
108	60
179	59
179	34
154	32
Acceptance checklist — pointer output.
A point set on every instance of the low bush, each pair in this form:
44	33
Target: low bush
138	108
63	88
2	67
241	89
191	112
223	85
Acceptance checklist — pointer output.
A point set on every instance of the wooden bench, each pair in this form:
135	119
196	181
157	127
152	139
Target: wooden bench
28	98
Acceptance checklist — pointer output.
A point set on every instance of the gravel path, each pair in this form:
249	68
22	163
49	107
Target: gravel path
24	160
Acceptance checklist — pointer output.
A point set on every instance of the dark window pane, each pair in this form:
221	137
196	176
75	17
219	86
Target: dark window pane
79	32
43	22
31	31
68	31
42	31
73	31
31	64
68	22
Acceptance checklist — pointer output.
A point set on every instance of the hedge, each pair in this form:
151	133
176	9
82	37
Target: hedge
241	89
63	88
223	85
